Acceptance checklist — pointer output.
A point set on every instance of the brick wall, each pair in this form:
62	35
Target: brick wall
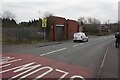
70	27
60	21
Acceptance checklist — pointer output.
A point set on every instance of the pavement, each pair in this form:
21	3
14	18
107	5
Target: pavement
11	48
110	67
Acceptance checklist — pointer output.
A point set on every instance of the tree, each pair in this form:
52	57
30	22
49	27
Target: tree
47	14
8	19
88	20
9	23
90	24
8	15
91	20
82	20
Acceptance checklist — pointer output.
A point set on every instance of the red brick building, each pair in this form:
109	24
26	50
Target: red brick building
59	28
72	27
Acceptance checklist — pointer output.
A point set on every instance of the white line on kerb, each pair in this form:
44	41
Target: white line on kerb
53	51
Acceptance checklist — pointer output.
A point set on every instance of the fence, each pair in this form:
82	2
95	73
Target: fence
21	34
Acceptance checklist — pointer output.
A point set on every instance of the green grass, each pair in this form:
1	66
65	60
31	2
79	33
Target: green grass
13	42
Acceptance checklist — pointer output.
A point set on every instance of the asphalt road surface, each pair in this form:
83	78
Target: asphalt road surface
78	58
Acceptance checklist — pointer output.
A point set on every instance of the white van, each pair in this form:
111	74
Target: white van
80	36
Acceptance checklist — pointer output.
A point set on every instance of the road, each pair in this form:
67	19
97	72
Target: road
87	56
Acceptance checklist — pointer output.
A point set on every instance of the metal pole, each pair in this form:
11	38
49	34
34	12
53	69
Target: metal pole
44	35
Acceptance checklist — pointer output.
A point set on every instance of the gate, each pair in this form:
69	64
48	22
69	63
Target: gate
59	32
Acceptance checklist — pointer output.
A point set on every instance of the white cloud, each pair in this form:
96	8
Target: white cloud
75	1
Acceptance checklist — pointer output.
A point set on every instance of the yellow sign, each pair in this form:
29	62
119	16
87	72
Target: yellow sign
44	23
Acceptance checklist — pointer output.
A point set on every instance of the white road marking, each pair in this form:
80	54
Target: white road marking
11	61
53	51
77	76
104	57
63	76
24	72
103	61
18	67
45	73
81	43
39	69
5	65
77	44
5	59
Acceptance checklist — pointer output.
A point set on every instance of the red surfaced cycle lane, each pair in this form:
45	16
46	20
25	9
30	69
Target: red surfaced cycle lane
31	66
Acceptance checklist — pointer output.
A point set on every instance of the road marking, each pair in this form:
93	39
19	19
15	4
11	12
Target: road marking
10	61
61	71
39	69
77	44
18	67
24	72
104	57
5	59
5	65
53	51
35	67
103	61
77	77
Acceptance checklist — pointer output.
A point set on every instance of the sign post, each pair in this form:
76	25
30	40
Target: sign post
44	25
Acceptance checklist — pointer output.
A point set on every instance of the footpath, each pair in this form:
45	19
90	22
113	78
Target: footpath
12	48
110	68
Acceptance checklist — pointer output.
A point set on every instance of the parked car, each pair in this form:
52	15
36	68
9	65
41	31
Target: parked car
80	36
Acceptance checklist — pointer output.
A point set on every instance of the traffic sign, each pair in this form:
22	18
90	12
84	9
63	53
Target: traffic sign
44	23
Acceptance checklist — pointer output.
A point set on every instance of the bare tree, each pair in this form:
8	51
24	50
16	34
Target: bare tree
91	20
8	15
82	20
47	14
91	25
88	20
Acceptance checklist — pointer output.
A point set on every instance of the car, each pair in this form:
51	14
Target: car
80	36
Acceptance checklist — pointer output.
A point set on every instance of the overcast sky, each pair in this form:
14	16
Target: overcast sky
26	10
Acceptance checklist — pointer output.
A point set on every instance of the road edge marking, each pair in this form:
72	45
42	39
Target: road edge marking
103	61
